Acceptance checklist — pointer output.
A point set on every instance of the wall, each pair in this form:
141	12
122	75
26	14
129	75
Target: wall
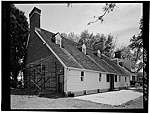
127	63
36	50
91	81
52	68
122	82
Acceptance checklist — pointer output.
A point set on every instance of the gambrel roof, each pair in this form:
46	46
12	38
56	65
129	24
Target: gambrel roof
71	56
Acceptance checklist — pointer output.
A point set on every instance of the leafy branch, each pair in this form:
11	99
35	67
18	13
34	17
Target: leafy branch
107	8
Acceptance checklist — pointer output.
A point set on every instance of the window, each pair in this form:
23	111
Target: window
100	77
84	48
133	78
125	79
107	77
119	78
99	53
58	41
82	76
115	78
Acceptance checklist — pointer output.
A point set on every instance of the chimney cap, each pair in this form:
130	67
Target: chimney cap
35	10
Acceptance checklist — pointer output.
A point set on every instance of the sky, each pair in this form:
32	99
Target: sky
122	23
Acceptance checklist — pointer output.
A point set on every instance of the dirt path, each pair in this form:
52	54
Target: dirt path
112	98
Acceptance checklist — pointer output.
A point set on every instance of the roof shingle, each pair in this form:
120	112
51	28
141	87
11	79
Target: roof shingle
73	57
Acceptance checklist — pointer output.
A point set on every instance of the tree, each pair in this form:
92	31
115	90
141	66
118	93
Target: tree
18	39
140	77
99	41
136	44
86	37
126	52
71	36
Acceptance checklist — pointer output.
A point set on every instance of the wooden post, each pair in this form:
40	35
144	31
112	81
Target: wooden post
41	76
34	77
44	74
56	77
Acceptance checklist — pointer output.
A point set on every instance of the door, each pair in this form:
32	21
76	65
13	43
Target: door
111	76
60	83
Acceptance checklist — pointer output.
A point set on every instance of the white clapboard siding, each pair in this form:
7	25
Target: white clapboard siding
91	81
122	83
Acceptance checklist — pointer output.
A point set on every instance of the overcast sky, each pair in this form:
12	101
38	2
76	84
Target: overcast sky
122	23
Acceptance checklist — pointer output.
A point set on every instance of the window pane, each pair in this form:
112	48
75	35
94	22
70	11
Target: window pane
107	77
82	73
58	41
115	78
81	78
133	78
99	76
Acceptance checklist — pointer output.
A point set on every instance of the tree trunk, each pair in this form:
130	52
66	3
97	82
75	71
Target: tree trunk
15	74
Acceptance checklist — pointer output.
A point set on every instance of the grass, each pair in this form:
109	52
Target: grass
21	99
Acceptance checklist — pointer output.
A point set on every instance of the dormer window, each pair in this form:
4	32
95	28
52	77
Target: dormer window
84	48
98	53
58	39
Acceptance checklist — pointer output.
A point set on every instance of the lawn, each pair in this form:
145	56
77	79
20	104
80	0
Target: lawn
55	101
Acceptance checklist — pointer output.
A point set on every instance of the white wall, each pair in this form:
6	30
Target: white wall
122	82
91	81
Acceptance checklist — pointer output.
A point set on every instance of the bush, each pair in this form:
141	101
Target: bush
13	84
137	85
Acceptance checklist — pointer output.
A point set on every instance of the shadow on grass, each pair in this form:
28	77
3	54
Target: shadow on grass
138	90
46	93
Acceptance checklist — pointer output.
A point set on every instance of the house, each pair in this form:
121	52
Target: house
130	66
69	67
127	64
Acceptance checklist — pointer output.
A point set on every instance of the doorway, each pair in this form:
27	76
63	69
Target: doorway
60	83
111	76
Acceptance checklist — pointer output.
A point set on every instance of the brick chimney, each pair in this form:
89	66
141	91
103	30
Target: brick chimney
118	54
34	19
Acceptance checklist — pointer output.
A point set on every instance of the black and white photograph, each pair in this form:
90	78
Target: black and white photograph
76	56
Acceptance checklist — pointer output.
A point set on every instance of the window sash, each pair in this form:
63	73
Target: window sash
100	77
82	76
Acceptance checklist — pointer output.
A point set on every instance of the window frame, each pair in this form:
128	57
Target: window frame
100	77
82	76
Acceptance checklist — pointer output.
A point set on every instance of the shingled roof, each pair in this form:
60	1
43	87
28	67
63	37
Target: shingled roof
73	57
